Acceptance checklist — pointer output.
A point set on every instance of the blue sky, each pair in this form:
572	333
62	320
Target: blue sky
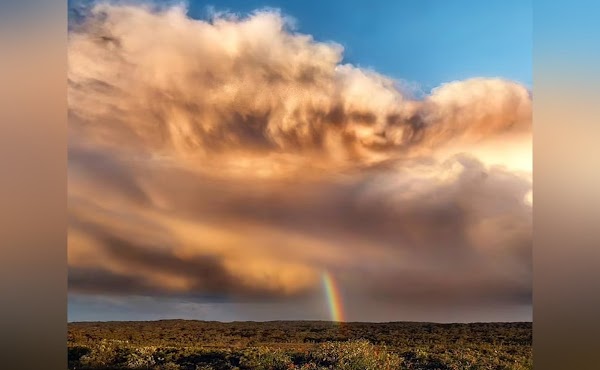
428	42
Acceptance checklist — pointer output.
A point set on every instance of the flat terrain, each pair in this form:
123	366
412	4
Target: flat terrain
195	345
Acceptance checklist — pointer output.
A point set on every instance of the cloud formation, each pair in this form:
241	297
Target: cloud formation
237	159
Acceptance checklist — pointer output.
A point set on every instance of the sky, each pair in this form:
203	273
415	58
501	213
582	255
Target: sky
426	42
300	161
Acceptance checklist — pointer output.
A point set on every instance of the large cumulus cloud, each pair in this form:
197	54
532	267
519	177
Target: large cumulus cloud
236	159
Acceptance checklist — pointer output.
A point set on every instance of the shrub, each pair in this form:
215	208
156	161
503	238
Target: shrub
168	366
106	353
141	358
356	355
75	353
264	358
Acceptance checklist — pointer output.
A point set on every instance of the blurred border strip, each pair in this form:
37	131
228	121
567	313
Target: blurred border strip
566	184
33	203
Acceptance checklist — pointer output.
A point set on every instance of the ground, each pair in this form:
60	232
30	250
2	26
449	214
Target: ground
195	345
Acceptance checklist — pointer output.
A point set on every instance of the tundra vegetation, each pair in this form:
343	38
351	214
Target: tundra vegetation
307	345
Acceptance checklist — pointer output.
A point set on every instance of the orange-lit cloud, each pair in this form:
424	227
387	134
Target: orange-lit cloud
236	158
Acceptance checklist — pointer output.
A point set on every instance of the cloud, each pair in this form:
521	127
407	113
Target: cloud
165	82
235	158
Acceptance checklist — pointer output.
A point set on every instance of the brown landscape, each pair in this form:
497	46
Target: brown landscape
193	345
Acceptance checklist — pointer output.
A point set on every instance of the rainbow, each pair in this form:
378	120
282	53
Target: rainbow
334	298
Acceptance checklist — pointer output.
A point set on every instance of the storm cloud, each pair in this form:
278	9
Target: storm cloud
236	159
